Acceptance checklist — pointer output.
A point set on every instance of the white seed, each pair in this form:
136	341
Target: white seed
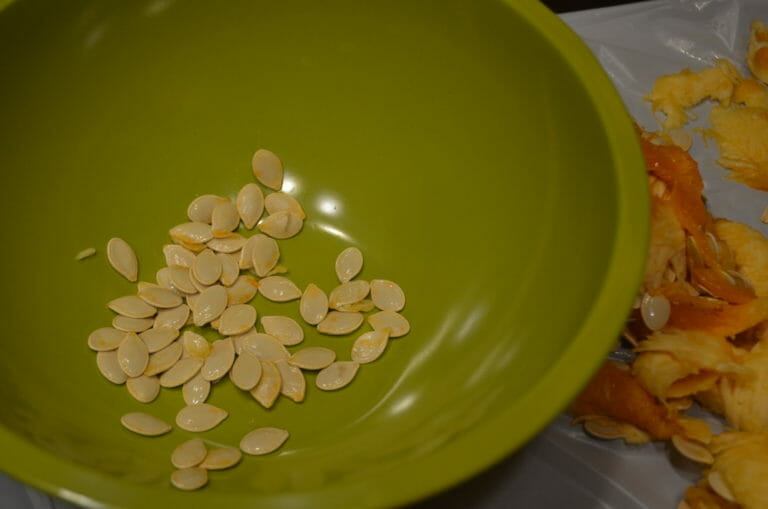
369	346
263	441
145	424
267	169
220	459
132	354
224	219
107	338
279	201
294	385
110	368
246	371
348	264
719	486
143	388
265	254
250	204
230	244
126	324
313	357
192	246
282	225
265	347
163	278
189	454
348	293
314	305
219	361
242	291
386	295
157	339
230	269
338	323
122	258
191	302
245	260
159	297
191	234
237	319
199	287
173	318
285	329
238	339
164	359
692	449
210	305
279	269
181	372
279	289
362	306
655	311
143	286
195	345
132	307
201	417
85	253
179	277
268	388
207	267
395	322
178	256
196	390
201	208
337	375
189	479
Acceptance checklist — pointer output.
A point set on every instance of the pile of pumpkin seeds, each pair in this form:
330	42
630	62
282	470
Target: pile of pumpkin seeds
213	271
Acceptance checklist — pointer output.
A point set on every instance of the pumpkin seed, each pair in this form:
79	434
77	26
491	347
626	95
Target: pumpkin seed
126	324
196	390
250	204
164	359
242	291
202	417
282	225
264	253
189	479
224	219
655	311
230	269
173	318
692	449
293	385
369	346
181	372
122	258
263	441
144	389
246	371
338	323
232	243
337	375
267	169
719	486
191	302
159	297
219	361
279	269
85	253
279	289
245	260
348	293
191	234
386	295
145	424
362	306
110	368
220	459
285	329
265	347
163	278
189	454
201	208
237	319
210	305
268	388
195	345
314	305
132	307
279	201
199	287
157	339
313	357
207	268
348	264
181	280
107	338
178	256
764	216
195	247
132	354
395	322
238	339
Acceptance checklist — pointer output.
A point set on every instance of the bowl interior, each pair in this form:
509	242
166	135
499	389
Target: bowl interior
450	141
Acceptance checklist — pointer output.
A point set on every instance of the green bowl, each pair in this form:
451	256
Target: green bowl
473	150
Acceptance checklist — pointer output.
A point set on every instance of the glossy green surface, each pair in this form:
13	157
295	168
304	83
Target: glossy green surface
473	150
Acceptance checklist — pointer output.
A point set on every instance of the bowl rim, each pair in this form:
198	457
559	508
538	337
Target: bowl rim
467	453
